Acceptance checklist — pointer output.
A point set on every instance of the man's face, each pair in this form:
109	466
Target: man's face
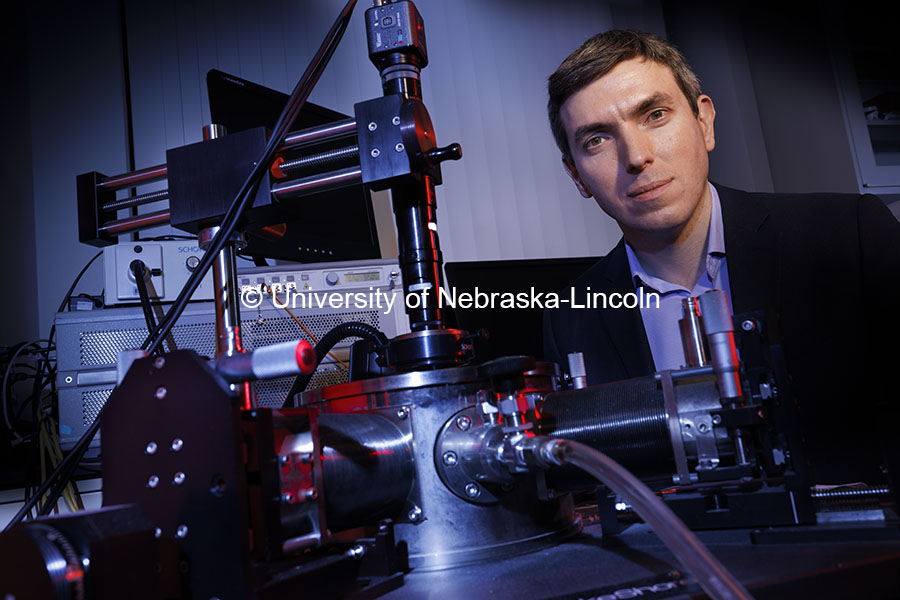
639	150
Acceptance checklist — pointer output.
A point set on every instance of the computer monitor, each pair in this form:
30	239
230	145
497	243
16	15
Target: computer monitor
512	331
330	226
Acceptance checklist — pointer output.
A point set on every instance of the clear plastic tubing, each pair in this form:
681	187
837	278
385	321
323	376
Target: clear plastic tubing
694	557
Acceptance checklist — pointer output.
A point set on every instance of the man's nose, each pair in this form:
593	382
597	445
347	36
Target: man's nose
637	151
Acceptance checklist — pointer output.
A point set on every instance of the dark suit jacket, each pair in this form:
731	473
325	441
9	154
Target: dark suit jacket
824	267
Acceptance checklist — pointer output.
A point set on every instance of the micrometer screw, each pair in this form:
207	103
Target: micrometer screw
450	458
463	422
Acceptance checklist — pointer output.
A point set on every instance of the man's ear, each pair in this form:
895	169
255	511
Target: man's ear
706	116
573	173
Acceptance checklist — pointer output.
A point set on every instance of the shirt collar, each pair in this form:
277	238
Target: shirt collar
714	254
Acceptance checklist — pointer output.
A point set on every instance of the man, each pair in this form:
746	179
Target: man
635	131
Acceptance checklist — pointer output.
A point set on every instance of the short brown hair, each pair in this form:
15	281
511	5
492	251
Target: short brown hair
597	56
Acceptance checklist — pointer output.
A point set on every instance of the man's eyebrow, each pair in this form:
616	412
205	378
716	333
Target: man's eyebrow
642	106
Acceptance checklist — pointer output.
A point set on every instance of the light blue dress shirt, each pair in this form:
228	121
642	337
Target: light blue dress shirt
661	324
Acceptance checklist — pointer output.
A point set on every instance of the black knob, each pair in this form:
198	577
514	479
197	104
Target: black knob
451	152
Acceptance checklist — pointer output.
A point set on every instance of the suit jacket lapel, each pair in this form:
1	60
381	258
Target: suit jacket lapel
752	253
625	326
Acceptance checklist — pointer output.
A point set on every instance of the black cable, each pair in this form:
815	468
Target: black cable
326	343
138	268
301	92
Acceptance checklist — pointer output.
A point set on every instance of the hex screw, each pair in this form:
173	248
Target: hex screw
702	427
748	325
177	445
287	497
395	120
717	419
402	413
463	422
181	531
356	551
152	481
473	490
399	148
414	514
150	448
311	494
375	152
160	362
178	479
284	459
161	392
373	126
157	532
450	458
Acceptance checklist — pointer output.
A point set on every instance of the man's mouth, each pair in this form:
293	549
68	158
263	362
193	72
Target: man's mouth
649	191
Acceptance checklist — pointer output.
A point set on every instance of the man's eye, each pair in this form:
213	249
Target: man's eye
656	115
593	141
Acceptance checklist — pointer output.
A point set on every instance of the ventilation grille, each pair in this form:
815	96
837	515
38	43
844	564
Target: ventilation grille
100	348
91	403
281	329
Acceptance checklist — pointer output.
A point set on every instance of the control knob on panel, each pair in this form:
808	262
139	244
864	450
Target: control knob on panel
332	278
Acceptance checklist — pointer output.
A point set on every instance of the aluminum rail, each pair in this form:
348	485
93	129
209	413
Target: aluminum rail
145	221
317	183
297	139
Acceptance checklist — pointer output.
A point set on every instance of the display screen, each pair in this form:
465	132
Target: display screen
358	277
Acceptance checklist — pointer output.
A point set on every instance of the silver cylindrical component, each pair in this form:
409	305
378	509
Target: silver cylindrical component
213	131
451	530
317	183
145	221
133	178
691	327
322	133
228	328
268	362
719	331
577	371
367	466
